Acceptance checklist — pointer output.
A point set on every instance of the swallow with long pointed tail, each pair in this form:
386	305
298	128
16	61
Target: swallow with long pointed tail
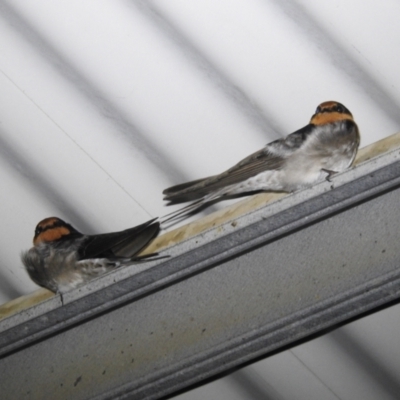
327	145
63	258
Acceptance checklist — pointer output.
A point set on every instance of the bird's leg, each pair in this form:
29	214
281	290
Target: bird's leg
61	297
330	173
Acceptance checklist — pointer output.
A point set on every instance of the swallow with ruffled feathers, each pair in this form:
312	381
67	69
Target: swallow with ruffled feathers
327	145
63	258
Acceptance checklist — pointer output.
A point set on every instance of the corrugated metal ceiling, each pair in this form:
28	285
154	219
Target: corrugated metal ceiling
106	103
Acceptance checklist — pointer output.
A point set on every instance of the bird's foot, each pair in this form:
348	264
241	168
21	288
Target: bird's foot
61	297
330	174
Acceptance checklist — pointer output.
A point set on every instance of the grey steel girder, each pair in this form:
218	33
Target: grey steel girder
234	293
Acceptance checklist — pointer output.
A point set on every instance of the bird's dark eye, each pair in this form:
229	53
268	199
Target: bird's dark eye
339	108
318	110
38	230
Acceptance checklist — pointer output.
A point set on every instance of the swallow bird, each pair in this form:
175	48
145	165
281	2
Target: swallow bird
327	145
63	258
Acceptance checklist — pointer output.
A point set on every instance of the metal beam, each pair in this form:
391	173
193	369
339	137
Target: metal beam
226	296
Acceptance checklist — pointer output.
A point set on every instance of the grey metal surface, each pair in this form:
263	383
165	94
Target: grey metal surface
278	274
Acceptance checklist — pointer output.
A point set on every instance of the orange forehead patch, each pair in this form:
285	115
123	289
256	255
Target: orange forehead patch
327	104
51	234
329	117
48	222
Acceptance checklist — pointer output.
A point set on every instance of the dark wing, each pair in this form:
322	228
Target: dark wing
183	186
125	243
271	157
